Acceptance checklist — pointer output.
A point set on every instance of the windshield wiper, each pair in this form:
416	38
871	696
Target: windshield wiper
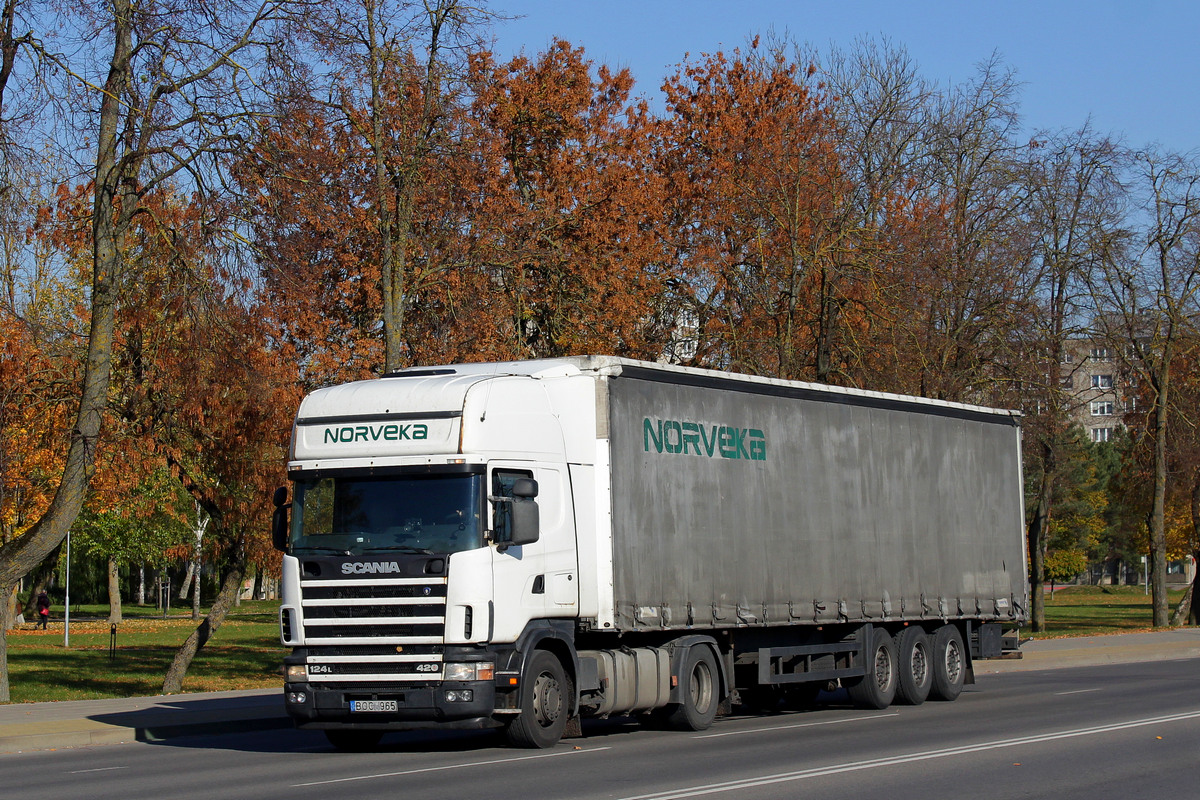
341	551
399	548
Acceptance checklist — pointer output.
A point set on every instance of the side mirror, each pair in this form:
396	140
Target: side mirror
526	488
526	521
279	519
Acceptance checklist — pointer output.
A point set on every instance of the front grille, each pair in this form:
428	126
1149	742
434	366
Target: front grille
366	611
423	633
373	590
374	631
383	650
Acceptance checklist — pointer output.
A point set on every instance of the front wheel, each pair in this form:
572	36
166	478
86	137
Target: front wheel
700	692
546	695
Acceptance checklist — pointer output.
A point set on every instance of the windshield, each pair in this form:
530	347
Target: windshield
389	514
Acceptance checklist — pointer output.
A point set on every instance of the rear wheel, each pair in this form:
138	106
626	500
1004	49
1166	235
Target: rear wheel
546	695
700	692
877	688
949	664
914	663
354	741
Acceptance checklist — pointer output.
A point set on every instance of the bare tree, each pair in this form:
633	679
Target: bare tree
395	66
1151	301
1075	202
975	295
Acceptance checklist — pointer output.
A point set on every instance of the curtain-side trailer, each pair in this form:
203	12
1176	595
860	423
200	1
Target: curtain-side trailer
524	544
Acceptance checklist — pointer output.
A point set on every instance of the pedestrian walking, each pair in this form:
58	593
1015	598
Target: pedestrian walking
43	609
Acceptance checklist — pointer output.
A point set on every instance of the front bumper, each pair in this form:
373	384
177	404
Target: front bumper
317	706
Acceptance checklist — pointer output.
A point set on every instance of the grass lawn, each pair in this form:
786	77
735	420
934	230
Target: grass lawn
1094	610
244	654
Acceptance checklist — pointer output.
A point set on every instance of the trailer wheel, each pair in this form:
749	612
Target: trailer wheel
877	688
949	664
700	692
545	703
350	741
914	658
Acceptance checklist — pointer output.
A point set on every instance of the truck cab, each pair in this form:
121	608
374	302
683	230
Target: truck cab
431	529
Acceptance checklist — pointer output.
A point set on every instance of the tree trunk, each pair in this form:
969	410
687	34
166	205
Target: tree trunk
206	630
140	596
1157	521
196	592
1186	613
1037	541
12	614
114	591
186	586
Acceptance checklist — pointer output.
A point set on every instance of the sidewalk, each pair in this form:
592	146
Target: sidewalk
1089	651
46	726
75	723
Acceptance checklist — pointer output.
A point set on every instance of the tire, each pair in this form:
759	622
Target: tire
914	666
350	741
546	696
949	664
877	688
701	694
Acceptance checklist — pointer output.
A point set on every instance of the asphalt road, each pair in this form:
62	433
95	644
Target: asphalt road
1128	731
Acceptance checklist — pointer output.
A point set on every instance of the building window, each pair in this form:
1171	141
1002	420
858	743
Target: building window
1129	404
1102	381
1102	408
1101	354
1101	434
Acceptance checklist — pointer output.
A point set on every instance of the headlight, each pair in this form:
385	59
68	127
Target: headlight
296	673
471	671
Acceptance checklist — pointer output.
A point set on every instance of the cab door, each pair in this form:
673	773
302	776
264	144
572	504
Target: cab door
538	580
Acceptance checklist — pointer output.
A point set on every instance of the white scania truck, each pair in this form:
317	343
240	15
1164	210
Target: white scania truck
523	544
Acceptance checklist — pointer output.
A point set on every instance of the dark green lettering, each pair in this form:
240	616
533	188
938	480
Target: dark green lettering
650	434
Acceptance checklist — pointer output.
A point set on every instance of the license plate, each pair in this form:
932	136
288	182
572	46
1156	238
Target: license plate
376	706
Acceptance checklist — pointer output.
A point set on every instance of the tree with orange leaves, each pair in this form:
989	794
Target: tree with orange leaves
566	219
760	214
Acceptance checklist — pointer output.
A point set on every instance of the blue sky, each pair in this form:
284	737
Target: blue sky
1132	66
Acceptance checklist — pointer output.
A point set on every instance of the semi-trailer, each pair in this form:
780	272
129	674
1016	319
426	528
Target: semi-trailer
524	544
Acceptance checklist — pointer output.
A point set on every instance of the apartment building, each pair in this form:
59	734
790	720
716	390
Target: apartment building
1099	390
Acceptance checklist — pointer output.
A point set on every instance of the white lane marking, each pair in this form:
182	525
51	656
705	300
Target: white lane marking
797	725
451	766
1077	691
97	769
785	777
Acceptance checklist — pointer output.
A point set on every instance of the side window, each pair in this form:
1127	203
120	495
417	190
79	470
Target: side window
502	486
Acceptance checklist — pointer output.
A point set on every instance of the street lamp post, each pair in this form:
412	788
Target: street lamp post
67	608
